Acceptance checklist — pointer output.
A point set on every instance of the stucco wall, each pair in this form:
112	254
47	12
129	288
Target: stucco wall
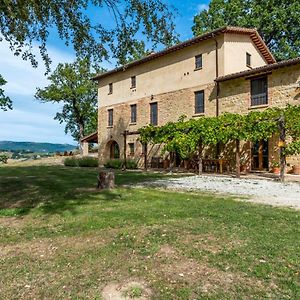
169	73
235	49
176	71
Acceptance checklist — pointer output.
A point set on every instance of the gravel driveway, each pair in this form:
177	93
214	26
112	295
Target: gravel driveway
264	191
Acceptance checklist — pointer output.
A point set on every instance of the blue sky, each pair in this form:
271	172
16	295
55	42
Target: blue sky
33	121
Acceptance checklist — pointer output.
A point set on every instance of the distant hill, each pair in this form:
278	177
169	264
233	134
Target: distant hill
35	147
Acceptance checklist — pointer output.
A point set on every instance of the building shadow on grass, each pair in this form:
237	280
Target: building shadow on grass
56	189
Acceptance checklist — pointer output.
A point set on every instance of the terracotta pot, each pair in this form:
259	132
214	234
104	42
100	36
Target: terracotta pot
296	169
166	163
243	168
276	170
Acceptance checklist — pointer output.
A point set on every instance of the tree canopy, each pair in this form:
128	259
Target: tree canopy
24	22
5	102
70	85
277	21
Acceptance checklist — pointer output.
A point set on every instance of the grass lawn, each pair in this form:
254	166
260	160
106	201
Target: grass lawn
61	239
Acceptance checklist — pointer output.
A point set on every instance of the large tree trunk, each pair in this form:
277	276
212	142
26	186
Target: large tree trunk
106	180
146	156
81	136
237	158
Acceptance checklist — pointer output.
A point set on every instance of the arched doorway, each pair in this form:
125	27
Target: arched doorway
114	150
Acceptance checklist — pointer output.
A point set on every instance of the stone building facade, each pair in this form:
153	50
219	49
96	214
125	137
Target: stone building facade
171	83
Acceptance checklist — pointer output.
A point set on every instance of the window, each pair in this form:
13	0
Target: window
110	88
248	59
133	113
199	102
198	62
153	113
259	91
133	82
110	117
131	148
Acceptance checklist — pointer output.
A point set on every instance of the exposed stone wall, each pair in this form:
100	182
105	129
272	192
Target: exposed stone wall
283	89
234	98
170	107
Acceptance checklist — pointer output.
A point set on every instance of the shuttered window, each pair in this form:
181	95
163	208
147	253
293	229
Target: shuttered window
110	88
198	62
259	91
153	113
133	113
248	59
131	148
133	82
199	102
110	117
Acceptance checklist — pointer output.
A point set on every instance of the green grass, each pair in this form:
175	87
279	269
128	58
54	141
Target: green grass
60	238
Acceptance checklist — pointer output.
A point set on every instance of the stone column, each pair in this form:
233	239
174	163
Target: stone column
85	148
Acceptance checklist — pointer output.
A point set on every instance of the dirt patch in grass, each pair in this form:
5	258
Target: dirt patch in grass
130	289
11	222
47	248
178	268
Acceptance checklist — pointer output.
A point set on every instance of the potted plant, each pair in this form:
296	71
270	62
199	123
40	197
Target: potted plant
296	169
275	167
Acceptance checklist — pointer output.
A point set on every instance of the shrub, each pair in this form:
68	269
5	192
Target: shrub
3	158
81	162
114	164
88	162
131	164
118	164
71	162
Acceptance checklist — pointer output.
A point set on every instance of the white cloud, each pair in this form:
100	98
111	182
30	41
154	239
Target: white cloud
22	125
29	120
21	77
202	6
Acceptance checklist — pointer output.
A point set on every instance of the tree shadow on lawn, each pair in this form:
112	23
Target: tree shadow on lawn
55	189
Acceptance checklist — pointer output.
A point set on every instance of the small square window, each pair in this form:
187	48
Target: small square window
133	113
133	82
199	102
198	62
110	117
131	148
248	59
110	88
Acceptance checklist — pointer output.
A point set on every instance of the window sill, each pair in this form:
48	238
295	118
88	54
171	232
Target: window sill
133	87
109	93
258	106
133	123
197	69
109	127
198	115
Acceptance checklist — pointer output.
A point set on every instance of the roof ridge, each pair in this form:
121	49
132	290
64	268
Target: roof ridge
257	40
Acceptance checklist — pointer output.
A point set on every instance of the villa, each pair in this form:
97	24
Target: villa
227	70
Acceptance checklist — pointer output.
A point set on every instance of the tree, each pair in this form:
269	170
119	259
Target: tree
25	22
277	21
71	85
5	102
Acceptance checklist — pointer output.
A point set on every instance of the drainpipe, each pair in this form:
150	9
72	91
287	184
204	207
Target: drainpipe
218	88
217	74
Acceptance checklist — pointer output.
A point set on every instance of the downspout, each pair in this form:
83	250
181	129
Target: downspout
218	88
217	74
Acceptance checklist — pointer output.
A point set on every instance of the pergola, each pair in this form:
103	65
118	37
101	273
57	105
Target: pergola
92	138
